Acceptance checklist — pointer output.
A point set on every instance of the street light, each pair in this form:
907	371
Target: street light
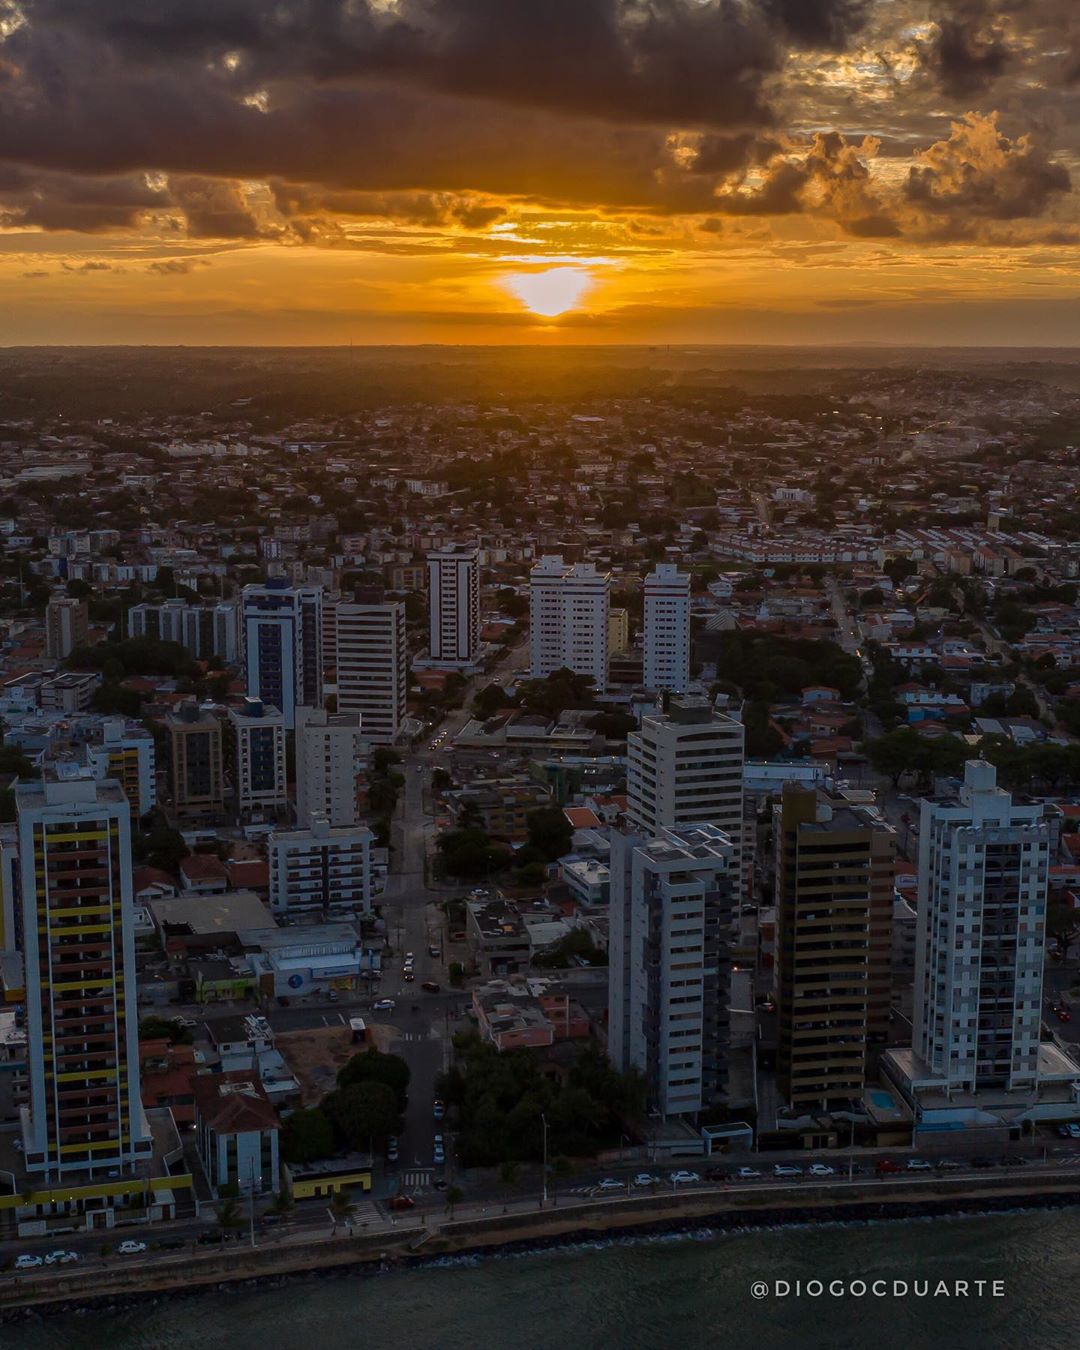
543	1122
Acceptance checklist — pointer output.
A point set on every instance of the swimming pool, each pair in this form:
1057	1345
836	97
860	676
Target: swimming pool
884	1101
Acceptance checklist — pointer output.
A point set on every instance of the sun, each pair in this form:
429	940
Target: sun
550	292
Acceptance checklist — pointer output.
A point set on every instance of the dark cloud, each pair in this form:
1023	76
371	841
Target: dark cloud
89	266
176	267
965	59
978	173
213	209
55	201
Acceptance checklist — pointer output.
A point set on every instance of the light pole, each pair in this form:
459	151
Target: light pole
543	1122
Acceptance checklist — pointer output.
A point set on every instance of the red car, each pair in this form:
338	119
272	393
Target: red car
886	1165
1064	1015
402	1202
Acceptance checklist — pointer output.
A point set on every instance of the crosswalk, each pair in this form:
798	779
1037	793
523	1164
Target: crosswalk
416	1179
413	1036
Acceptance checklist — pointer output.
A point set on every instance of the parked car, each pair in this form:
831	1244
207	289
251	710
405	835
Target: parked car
430	987
747	1174
332	996
392	1149
683	1178
383	1005
821	1170
409	958
610	1184
786	1170
400	1202
886	1166
919	1165
129	1247
646	1179
434	951
27	1262
438	1110
61	1258
1064	1132
948	1165
439	1150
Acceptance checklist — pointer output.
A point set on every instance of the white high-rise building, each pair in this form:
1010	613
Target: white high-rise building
125	751
667	629
372	665
670	950
685	767
321	868
454	605
983	878
202	630
259	775
82	1022
283	645
331	755
568	619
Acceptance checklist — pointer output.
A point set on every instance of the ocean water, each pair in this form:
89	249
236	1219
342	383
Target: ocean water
680	1291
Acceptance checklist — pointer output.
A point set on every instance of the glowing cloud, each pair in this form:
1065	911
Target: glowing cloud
551	292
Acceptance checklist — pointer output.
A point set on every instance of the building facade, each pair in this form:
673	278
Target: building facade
667	629
981	940
670	954
195	756
685	767
568	619
259	781
125	751
834	903
67	623
454	606
283	645
372	666
85	1113
321	868
331	757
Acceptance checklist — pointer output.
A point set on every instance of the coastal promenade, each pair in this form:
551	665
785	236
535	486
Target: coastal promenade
523	1223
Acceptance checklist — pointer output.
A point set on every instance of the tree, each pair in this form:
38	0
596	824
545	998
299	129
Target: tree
229	1216
550	833
161	1028
1063	925
372	1066
363	1112
454	1196
306	1136
341	1207
441	780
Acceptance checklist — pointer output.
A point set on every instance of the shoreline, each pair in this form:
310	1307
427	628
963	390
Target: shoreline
512	1235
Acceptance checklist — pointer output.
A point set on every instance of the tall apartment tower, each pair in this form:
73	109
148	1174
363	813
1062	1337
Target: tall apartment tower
283	645
454	605
67	624
981	941
834	896
195	754
667	629
685	767
259	781
372	666
568	619
669	991
82	1023
125	751
331	756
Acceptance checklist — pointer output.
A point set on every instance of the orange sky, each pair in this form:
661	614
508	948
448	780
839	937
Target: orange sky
563	171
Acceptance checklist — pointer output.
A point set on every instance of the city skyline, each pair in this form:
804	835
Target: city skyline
416	171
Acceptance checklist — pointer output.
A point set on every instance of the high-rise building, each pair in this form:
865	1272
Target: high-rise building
195	755
568	619
981	939
85	1113
67	623
202	630
618	632
259	781
685	767
331	756
667	629
321	867
834	898
454	605
372	666
670	952
283	645
125	751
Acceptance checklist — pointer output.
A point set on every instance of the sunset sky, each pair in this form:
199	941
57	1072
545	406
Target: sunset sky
554	171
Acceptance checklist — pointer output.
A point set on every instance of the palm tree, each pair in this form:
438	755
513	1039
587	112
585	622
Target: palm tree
229	1216
454	1196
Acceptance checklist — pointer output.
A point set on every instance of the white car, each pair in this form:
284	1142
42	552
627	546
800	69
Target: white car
786	1170
682	1178
383	1005
61	1258
822	1170
27	1262
747	1174
409	958
610	1184
646	1179
919	1165
129	1247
